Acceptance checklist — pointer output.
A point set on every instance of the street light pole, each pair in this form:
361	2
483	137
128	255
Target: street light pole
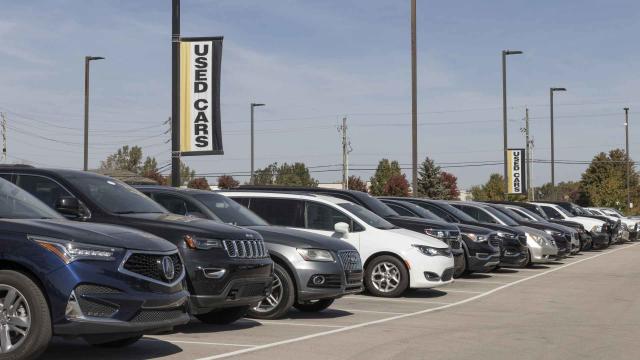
252	179
504	115
553	158
414	102
87	60
626	134
175	98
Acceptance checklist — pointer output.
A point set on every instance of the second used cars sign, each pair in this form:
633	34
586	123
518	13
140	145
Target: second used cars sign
516	178
200	130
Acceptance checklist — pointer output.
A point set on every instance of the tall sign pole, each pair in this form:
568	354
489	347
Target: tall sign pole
175	91
414	101
626	133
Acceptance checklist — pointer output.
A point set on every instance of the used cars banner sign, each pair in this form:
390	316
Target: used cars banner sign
516	177
200	130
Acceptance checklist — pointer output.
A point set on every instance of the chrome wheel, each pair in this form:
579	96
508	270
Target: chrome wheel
273	300
385	277
15	319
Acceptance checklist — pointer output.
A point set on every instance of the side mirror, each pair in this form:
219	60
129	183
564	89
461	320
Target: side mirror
68	205
342	229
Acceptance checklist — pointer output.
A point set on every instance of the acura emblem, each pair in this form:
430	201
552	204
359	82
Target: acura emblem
168	269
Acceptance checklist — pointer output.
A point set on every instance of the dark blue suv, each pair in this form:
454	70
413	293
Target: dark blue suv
106	284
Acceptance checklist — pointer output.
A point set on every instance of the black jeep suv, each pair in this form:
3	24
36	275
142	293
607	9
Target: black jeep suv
228	268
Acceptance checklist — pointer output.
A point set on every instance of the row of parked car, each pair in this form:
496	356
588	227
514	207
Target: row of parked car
85	255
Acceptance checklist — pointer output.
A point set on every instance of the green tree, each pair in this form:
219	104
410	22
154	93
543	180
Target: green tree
386	169
397	185
567	191
124	159
605	180
493	189
430	180
150	166
266	176
186	173
355	183
295	174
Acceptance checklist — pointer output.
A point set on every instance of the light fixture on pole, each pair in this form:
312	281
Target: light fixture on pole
87	60
505	53
251	180
553	157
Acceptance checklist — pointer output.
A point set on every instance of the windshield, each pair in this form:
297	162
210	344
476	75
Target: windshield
579	211
115	196
16	203
367	216
377	206
459	214
532	214
512	214
504	218
230	211
564	211
424	213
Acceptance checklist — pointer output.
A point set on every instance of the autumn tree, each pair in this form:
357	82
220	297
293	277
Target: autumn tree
200	183
227	182
450	186
397	185
355	183
385	171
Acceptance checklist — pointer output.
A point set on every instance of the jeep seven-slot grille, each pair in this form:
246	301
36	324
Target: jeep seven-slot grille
245	249
150	266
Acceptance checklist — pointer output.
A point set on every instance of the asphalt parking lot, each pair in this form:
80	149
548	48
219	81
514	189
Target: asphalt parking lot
583	307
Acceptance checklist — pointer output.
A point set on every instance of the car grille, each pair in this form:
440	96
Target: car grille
353	278
522	239
350	260
157	315
447	275
495	241
95	308
245	249
150	266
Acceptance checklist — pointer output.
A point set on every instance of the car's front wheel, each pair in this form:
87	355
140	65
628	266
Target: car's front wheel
25	322
386	276
461	270
223	316
314	305
282	297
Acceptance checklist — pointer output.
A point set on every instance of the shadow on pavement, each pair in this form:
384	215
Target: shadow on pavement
424	294
78	349
325	314
504	271
196	326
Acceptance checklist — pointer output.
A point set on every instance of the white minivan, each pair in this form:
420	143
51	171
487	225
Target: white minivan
394	259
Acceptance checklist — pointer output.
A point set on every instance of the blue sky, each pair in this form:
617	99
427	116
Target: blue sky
313	62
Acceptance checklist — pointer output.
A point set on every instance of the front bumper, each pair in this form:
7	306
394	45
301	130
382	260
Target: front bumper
430	271
600	239
542	253
339	282
483	262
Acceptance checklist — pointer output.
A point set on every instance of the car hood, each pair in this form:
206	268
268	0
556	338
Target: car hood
300	239
549	226
192	225
496	227
89	233
422	239
434	224
588	222
534	231
474	229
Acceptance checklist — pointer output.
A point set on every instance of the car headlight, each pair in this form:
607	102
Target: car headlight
538	239
316	255
70	251
435	233
198	243
595	228
506	235
553	232
432	251
476	237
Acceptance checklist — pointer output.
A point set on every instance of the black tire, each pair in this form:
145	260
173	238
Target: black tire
39	333
115	344
403	281
529	263
463	271
223	316
287	300
314	305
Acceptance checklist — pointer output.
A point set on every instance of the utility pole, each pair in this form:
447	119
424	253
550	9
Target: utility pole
87	61
626	133
3	130
529	146
553	153
252	178
175	96
345	154
414	101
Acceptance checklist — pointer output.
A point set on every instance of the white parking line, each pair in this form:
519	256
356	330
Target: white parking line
196	342
479	281
461	291
369	298
397	317
369	311
513	275
289	323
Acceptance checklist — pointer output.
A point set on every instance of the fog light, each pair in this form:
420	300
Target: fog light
73	310
318	280
431	276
